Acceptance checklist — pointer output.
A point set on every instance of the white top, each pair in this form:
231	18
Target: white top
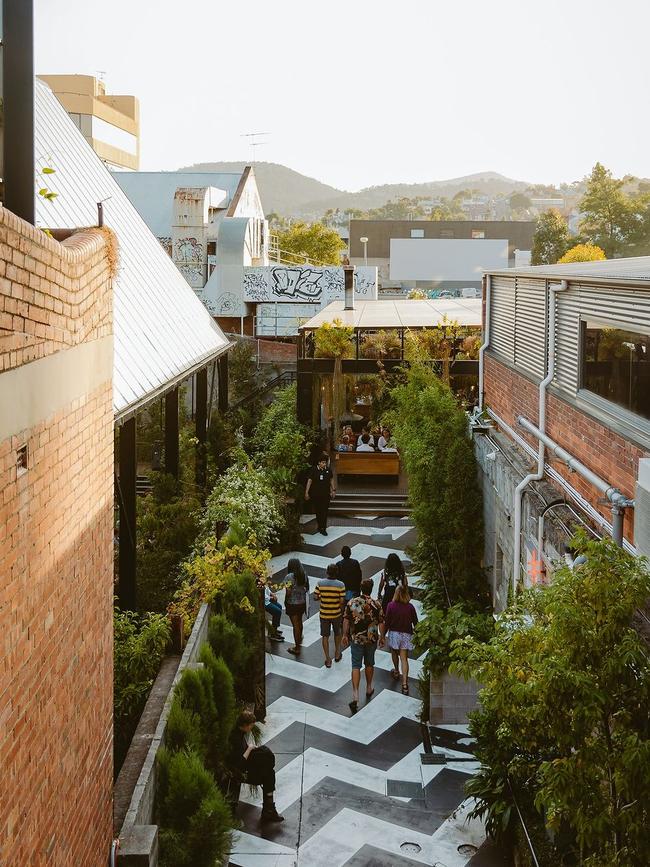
382	443
365	448
360	441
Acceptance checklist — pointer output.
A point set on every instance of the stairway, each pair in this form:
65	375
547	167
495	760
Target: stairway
377	503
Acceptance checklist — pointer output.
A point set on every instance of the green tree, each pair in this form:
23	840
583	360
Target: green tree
334	340
431	432
609	220
519	202
552	238
315	242
564	710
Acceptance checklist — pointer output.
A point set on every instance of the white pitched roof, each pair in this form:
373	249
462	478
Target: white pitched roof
161	329
152	193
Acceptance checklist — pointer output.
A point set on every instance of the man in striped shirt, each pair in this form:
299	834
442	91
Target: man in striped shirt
330	591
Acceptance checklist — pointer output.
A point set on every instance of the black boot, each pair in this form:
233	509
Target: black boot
269	813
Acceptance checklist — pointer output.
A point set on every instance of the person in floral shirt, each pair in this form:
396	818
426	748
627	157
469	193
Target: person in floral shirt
363	631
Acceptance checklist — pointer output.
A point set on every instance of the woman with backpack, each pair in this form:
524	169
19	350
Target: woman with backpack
391	578
296	600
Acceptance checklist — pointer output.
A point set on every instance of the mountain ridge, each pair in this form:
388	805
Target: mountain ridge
292	194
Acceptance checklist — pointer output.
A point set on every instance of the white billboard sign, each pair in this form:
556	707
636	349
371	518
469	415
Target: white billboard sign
442	259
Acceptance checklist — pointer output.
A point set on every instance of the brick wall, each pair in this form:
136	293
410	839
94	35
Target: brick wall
605	452
56	537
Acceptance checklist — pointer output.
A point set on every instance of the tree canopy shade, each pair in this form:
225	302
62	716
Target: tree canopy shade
316	242
583	253
564	710
552	238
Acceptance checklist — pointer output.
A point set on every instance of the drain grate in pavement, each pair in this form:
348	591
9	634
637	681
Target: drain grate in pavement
404	789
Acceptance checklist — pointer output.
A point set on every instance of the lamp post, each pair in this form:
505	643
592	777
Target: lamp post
364	241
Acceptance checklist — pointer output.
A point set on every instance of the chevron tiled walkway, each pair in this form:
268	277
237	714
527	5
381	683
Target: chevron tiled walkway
351	788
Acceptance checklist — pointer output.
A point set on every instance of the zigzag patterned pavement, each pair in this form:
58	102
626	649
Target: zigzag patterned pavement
334	770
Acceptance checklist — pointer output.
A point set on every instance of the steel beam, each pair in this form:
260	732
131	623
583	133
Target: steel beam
171	433
127	504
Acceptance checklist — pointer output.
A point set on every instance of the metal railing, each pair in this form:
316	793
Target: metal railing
284	378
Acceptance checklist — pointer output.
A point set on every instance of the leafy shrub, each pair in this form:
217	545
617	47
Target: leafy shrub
564	709
223	690
243	495
431	431
195	819
230	642
167	529
230	569
281	444
139	646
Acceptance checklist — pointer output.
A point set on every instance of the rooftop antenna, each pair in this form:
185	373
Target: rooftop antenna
252	140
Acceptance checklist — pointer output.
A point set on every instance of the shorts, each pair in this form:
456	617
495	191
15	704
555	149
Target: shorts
363	654
293	610
400	640
336	624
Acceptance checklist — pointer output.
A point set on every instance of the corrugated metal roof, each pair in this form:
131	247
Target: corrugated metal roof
402	313
633	268
161	329
152	193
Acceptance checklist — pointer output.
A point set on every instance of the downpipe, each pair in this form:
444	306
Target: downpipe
541	453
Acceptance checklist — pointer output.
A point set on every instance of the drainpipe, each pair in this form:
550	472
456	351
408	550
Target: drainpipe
618	499
485	344
539	473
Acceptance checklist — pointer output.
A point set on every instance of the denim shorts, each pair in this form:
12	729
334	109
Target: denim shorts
326	626
363	654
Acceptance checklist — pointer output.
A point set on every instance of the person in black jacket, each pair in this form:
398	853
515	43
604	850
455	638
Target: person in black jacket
349	573
256	764
320	490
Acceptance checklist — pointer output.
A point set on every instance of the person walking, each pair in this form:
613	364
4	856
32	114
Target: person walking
363	631
392	576
349	573
320	490
255	764
296	600
400	621
331	593
274	608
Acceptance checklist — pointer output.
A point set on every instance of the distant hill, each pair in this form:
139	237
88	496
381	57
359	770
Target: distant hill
294	195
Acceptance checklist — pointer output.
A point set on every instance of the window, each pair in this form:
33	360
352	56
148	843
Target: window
446	233
616	366
22	459
417	233
477	234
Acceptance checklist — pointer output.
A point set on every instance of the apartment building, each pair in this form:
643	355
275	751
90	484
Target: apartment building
110	123
562	432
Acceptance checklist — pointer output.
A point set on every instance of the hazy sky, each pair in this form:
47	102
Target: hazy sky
363	92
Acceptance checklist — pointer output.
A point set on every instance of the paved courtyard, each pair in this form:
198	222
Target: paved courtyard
352	789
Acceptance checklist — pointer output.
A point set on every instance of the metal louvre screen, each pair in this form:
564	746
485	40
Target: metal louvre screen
502	317
530	315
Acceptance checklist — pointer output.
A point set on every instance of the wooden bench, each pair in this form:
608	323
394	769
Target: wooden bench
367	463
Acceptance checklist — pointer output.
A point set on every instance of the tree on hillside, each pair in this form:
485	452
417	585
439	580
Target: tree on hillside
519	202
563	719
316	242
552	238
609	219
583	253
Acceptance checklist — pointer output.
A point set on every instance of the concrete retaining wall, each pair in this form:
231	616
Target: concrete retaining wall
139	834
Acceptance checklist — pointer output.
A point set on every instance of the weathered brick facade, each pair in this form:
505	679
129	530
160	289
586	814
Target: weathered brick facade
56	547
604	451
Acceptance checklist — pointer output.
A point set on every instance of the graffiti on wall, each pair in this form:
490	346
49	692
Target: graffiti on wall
304	284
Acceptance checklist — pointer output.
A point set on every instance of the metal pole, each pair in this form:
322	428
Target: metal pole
18	169
127	504
171	433
201	425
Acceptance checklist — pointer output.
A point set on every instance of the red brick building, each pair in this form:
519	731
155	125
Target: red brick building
566	368
56	547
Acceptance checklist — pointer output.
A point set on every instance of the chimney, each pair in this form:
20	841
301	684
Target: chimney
18	77
348	276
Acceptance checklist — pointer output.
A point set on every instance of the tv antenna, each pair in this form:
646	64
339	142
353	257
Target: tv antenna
253	141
